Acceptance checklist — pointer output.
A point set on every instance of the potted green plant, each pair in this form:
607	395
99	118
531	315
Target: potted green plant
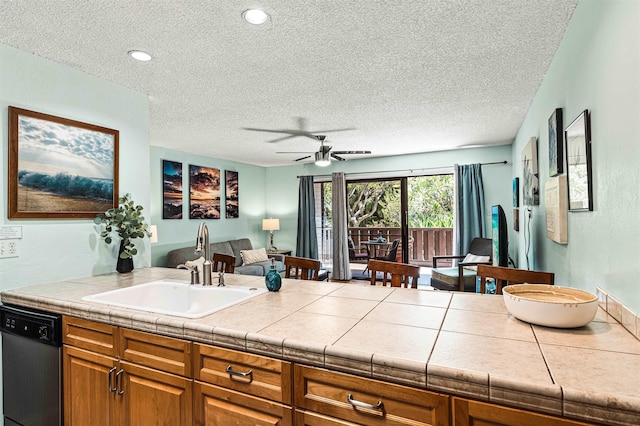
128	222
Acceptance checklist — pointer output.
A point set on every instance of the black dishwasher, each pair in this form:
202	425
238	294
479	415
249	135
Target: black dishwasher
31	366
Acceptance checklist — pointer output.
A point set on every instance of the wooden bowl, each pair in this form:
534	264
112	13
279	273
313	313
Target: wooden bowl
550	305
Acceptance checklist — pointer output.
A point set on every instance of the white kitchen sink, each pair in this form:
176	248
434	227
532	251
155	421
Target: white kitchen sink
177	298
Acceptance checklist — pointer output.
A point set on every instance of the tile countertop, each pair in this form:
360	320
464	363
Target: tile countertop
457	343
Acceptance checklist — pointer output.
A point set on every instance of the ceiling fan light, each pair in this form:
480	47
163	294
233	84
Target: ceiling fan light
323	159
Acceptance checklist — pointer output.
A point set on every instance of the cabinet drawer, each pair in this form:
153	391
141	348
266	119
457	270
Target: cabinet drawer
159	352
218	406
466	412
264	377
308	418
366	401
90	335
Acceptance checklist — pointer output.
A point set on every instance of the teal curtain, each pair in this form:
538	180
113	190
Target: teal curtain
470	221
307	241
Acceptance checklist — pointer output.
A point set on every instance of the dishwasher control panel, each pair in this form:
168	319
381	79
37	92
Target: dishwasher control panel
42	326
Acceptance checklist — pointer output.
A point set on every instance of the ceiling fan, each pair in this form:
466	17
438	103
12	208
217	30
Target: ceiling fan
293	133
324	155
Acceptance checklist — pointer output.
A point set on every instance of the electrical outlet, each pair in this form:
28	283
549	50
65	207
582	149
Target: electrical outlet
9	248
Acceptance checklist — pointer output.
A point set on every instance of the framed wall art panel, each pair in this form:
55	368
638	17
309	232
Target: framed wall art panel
231	194
530	186
171	189
556	144
204	193
578	143
60	168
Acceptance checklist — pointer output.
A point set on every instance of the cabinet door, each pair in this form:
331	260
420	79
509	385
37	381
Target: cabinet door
87	396
366	401
216	406
467	412
150	397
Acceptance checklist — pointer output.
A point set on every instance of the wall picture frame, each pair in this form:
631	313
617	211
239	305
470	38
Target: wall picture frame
555	194
556	143
516	192
60	168
204	192
231	194
530	183
171	189
577	137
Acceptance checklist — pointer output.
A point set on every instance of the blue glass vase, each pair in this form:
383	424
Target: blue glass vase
273	280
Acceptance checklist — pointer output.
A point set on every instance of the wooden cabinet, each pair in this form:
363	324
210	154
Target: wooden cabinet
240	388
364	401
88	379
115	376
467	412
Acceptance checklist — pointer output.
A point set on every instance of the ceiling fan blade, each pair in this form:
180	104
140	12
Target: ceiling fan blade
352	152
337	157
334	130
281	139
302	158
294	152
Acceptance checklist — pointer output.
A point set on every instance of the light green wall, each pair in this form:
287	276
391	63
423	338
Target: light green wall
53	250
282	182
597	67
177	233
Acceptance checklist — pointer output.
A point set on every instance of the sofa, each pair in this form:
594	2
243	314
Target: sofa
232	247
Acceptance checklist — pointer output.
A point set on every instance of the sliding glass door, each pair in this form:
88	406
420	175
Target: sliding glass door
416	211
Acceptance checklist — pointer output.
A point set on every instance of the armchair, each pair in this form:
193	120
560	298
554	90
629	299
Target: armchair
356	255
463	276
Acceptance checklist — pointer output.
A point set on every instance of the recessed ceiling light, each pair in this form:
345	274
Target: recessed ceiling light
255	16
139	55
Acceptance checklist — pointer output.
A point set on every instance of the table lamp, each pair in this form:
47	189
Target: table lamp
271	225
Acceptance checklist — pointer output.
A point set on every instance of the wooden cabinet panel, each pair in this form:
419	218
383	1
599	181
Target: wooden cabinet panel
159	352
372	402
87	396
308	418
152	397
268	378
467	412
216	406
90	335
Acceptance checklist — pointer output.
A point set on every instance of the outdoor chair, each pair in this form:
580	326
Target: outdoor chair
463	276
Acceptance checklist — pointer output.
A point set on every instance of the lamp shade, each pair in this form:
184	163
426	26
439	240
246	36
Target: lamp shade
270	224
153	230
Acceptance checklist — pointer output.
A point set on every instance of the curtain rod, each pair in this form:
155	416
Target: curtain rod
406	170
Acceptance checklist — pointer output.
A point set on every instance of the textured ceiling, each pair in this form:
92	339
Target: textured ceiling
407	75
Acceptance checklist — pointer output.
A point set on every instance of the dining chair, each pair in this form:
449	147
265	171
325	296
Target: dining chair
401	274
224	262
303	268
507	276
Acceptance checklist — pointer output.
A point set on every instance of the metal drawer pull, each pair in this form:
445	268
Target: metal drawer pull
118	383
355	403
232	372
111	381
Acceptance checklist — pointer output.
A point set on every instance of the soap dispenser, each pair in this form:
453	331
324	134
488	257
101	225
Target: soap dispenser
273	280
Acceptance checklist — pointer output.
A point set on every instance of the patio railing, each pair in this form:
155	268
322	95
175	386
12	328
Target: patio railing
424	243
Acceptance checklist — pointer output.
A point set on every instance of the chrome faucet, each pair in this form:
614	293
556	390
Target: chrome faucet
203	238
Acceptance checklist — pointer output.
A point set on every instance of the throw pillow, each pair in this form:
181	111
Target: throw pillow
197	262
472	258
253	256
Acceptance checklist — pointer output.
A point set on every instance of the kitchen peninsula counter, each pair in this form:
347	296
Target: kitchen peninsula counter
456	343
